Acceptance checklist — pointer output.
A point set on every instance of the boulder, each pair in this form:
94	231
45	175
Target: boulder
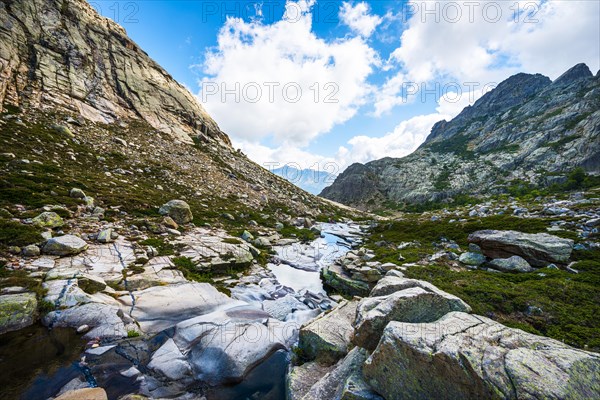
48	219
104	320
65	245
394	282
511	264
345	381
326	338
179	210
335	277
472	259
463	356
417	305
17	311
538	249
77	193
31	251
84	394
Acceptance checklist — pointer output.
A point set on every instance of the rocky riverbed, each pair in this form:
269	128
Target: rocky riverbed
158	334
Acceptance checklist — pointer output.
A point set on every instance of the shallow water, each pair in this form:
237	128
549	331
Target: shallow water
29	357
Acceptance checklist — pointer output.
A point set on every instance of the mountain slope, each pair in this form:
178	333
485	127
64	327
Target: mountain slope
528	129
83	106
62	54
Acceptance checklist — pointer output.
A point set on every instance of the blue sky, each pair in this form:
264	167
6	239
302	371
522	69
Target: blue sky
373	52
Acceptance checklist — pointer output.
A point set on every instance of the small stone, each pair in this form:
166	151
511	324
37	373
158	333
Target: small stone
174	232
247	236
179	210
63	130
31	251
278	226
48	219
228	216
83	329
77	193
14	250
169	222
47	235
511	264
105	236
472	259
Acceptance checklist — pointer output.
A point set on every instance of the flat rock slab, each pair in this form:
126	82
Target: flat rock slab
538	249
65	245
464	356
160	307
220	347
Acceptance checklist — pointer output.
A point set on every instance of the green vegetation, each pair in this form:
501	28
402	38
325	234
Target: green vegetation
14	233
190	271
305	235
572	123
549	302
457	144
561	142
132	333
164	248
577	179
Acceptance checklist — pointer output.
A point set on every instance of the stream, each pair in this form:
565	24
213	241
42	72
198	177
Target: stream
36	362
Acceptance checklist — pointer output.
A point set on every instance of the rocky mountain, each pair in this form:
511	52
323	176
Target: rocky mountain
79	96
527	131
79	62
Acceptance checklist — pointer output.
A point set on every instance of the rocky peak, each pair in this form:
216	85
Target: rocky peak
62	55
579	71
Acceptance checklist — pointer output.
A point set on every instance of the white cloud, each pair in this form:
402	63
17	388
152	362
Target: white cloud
475	46
407	136
359	18
254	55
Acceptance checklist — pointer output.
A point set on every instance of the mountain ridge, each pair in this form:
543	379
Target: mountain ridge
527	130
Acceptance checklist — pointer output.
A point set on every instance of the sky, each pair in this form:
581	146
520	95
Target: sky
323	84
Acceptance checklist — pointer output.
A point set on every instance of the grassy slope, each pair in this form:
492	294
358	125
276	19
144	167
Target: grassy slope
569	303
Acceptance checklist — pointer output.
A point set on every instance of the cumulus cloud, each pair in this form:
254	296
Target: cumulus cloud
291	85
407	136
485	42
359	18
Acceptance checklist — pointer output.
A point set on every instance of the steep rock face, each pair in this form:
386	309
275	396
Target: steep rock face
528	129
81	62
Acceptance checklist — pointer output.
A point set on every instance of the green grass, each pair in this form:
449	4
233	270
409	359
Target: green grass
570	303
13	233
190	271
132	333
304	235
164	248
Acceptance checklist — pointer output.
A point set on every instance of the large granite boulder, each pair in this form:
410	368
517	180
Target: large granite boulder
326	338
17	311
416	304
538	249
179	210
464	356
65	246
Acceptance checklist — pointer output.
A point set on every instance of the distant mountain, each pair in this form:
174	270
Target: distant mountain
310	180
527	130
